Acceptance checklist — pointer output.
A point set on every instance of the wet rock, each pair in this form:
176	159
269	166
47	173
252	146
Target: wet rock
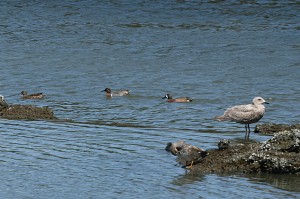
27	112
223	144
286	141
271	128
280	155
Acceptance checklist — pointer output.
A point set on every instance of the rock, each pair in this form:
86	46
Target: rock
27	112
223	144
279	155
271	128
286	141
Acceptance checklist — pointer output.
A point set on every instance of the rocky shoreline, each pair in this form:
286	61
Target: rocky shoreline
279	155
271	128
28	112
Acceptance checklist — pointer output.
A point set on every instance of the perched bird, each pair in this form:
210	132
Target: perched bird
245	114
181	99
190	155
25	95
3	104
109	93
187	154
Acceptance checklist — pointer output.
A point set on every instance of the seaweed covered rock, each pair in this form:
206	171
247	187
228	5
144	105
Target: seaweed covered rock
27	112
271	128
280	154
286	141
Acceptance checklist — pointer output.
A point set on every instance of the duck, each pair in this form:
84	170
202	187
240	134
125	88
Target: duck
187	155
181	99
109	93
190	155
175	147
25	95
245	114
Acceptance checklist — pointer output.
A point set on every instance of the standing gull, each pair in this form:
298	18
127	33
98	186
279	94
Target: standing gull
245	114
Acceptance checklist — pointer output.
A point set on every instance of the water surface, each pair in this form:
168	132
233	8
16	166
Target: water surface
220	53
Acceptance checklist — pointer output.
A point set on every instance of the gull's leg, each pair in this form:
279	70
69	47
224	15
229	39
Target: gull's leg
246	131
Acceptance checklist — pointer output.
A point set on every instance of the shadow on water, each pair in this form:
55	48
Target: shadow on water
285	182
104	123
188	178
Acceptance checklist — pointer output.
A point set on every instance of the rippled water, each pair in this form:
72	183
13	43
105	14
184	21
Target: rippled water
220	53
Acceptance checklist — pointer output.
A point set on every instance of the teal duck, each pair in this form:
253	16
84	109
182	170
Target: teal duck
110	93
181	99
187	155
25	95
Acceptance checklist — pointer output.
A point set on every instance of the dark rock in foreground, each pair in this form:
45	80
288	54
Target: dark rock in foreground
271	128
27	112
280	154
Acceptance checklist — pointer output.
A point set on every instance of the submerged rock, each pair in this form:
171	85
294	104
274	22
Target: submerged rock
271	128
280	155
27	112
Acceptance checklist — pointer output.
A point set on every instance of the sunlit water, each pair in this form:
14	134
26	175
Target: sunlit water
220	53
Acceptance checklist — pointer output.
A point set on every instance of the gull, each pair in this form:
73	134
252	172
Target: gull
245	114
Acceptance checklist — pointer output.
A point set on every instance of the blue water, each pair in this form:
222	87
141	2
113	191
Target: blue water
220	53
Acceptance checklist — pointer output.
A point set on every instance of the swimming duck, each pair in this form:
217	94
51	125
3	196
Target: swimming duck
109	93
187	154
25	95
245	114
181	99
3	104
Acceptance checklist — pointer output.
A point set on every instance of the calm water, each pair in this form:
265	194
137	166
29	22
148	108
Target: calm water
220	53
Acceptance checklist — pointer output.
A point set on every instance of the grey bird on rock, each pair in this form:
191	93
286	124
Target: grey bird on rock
187	155
245	114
